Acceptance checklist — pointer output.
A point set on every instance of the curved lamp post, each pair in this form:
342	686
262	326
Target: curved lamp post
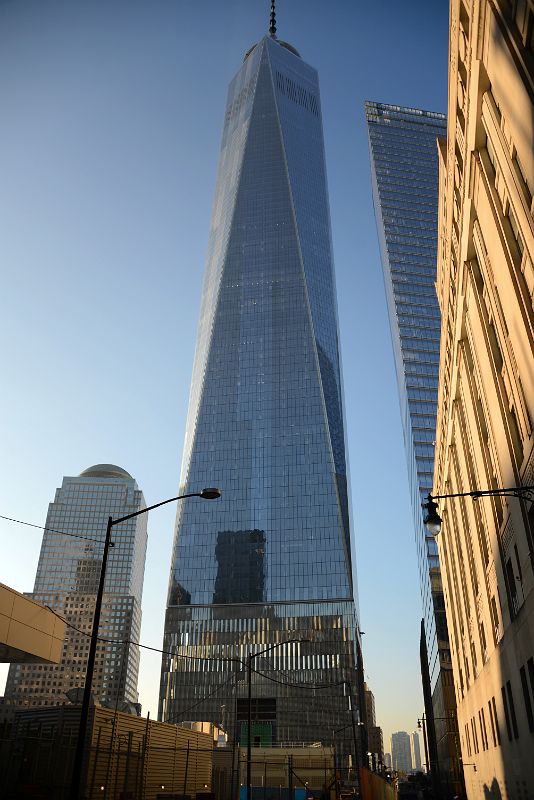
433	521
353	724
205	494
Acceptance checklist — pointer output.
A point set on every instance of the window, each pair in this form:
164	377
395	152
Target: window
494	619
513	588
468	739
518	562
521	171
515	231
496	720
512	709
526	697
506	713
515	436
491	155
475	736
483	732
483	642
492	723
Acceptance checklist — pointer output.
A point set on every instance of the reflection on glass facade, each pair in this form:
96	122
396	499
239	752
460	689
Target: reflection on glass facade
404	168
240	567
271	560
67	580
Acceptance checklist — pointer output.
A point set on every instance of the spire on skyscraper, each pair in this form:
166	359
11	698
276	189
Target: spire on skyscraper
272	23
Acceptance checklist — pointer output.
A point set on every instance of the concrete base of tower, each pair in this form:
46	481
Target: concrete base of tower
302	690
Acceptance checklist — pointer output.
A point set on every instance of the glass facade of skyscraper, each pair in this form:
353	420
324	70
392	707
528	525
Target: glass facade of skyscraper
404	169
67	580
271	560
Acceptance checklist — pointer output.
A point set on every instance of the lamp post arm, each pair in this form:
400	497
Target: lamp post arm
523	492
156	505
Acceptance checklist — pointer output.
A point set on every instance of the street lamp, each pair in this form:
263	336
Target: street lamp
452	730
205	494
250	658
433	521
421	723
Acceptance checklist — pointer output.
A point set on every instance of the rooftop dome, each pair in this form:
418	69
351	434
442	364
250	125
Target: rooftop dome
105	471
289	47
286	45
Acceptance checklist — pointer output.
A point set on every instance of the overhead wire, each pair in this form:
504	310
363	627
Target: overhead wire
139	644
202	700
54	530
234	660
147	647
229	659
299	685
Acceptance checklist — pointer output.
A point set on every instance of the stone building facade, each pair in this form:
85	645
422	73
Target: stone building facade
485	284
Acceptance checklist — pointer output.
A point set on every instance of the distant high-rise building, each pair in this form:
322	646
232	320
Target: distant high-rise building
404	168
67	582
388	763
485	435
271	561
401	754
375	742
375	745
370	717
416	750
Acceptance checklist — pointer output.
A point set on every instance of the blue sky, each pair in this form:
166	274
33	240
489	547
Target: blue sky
109	137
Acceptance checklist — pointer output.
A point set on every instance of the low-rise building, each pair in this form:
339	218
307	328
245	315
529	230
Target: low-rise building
29	632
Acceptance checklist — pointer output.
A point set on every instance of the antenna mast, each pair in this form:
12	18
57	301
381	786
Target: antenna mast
272	25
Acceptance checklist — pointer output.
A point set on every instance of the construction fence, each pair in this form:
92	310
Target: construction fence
131	758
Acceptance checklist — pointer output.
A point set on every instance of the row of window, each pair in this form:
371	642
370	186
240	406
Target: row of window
474	745
303	97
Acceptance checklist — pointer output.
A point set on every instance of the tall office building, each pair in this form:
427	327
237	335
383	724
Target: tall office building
401	753
415	745
271	561
404	168
485	439
67	580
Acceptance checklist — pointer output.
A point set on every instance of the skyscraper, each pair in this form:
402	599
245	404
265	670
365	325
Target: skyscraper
67	581
271	561
400	752
404	169
416	750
